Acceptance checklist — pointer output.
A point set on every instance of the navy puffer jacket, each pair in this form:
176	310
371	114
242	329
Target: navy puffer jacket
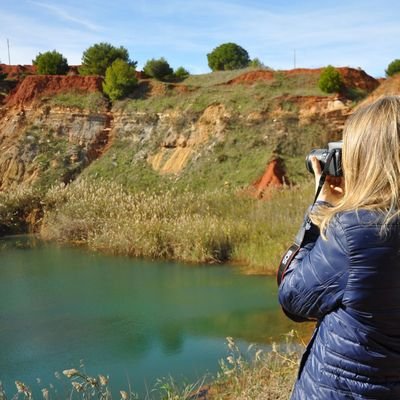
351	285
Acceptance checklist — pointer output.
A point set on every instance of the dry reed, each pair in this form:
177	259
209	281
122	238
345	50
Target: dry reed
210	227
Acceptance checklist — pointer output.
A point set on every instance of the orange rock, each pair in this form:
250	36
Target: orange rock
273	177
35	86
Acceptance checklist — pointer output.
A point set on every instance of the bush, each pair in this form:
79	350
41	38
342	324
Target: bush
158	69
51	63
228	56
393	68
330	80
257	63
181	73
120	80
97	58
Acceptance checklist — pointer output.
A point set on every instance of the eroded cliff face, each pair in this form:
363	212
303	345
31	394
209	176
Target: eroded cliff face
40	139
43	141
52	143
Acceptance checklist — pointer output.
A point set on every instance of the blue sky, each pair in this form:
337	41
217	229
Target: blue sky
355	33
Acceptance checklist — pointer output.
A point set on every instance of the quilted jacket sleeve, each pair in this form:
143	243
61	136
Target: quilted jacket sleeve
314	282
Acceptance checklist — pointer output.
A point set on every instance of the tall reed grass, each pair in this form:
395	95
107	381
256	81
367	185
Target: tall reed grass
210	227
258	374
20	209
254	374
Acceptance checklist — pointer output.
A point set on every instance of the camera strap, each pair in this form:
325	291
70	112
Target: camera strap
299	239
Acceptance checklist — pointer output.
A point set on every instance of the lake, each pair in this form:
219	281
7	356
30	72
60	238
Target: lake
133	320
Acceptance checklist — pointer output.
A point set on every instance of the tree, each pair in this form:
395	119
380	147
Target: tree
51	63
228	56
97	58
330	80
120	79
181	73
257	63
393	68
158	69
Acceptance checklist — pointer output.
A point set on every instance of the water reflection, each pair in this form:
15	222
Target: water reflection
124	317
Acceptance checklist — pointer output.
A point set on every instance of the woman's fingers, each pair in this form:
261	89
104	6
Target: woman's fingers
316	165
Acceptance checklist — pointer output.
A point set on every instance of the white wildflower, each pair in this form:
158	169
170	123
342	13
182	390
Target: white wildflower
69	373
124	395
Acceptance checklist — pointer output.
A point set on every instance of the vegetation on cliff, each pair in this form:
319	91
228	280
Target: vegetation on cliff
330	80
228	56
51	63
189	155
393	68
120	80
98	57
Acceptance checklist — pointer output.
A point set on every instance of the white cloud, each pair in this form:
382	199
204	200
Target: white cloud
68	16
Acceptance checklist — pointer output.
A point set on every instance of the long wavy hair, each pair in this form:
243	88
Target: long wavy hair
371	163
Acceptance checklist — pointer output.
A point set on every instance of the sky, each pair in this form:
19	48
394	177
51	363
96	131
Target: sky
283	34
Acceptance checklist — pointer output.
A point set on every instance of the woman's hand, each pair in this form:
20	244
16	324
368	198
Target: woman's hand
333	189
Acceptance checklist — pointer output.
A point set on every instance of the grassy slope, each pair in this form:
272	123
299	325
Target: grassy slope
214	225
241	158
246	231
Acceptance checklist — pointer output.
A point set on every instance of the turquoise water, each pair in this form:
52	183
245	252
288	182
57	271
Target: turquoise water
133	320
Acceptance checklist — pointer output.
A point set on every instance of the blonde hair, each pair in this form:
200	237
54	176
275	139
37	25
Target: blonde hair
371	163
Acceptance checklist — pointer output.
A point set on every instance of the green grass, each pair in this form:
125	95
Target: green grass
215	78
238	98
93	102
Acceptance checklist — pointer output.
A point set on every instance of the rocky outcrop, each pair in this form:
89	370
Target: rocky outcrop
182	135
37	138
273	177
17	72
34	142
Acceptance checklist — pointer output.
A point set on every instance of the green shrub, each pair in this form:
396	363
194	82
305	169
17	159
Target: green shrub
257	63
120	80
228	56
393	68
51	63
97	58
158	69
330	80
181	73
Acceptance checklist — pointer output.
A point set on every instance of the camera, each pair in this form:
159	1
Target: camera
332	155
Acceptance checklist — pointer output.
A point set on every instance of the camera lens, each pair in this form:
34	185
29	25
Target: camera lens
320	154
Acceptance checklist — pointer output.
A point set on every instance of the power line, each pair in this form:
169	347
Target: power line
8	47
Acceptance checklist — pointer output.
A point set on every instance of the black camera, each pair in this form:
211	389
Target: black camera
330	159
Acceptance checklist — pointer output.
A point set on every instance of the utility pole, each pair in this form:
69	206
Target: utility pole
294	58
8	47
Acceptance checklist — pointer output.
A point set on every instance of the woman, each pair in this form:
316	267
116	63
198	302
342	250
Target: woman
347	273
